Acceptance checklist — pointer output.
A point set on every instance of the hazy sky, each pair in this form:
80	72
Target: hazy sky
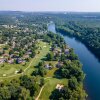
51	5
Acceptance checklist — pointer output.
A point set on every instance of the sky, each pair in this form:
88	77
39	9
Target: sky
51	5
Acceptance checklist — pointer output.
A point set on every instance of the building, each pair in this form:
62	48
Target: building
59	64
11	61
2	60
59	87
66	51
48	66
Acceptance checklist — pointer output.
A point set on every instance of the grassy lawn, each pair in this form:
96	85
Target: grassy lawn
2	45
9	69
50	73
50	86
43	52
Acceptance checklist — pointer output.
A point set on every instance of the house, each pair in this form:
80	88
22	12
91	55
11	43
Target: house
26	56
5	55
60	54
19	60
59	87
11	61
66	51
2	60
57	51
14	56
16	52
28	53
24	62
11	56
59	64
48	66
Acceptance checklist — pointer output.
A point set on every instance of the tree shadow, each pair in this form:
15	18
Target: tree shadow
57	74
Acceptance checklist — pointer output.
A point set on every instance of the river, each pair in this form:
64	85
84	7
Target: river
91	65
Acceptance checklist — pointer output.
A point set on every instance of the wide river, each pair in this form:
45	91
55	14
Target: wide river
91	65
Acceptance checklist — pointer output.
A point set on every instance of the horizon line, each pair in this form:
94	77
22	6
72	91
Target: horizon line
51	11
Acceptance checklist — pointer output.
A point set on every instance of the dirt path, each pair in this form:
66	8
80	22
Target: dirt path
37	98
47	78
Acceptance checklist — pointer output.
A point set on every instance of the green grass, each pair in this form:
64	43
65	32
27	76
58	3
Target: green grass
9	69
50	83
50	86
2	45
50	73
39	57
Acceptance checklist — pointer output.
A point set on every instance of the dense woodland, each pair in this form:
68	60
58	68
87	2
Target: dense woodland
85	27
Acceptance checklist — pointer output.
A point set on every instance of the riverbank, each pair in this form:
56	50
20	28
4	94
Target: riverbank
65	32
91	67
72	57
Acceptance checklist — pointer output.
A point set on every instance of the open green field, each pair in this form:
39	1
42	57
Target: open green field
43	52
50	86
9	69
50	73
50	82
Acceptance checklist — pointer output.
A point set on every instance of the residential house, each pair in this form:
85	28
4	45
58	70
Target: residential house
11	61
2	60
66	51
59	87
26	56
48	66
59	64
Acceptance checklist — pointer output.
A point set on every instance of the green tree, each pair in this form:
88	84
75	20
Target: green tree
5	93
50	56
25	94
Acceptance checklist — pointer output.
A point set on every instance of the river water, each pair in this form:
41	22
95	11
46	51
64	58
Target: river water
91	65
